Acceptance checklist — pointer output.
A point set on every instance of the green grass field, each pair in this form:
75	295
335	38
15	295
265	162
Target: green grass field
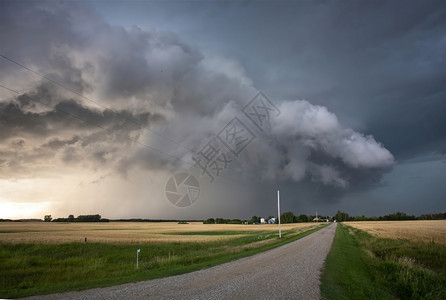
34	269
362	266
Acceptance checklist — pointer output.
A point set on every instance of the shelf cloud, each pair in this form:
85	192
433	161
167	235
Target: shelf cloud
126	106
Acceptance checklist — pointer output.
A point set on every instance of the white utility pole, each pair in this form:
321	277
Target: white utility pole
278	212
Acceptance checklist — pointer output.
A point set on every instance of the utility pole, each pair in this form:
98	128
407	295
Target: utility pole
278	212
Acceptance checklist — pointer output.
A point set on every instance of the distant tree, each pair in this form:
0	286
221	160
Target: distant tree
255	219
360	218
398	216
301	218
70	218
342	216
88	218
60	220
47	218
209	221
234	221
221	221
287	217
434	216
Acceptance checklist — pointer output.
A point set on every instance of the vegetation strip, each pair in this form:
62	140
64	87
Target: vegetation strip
362	266
34	269
215	233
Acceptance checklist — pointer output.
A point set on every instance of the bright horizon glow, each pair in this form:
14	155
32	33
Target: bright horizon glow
23	210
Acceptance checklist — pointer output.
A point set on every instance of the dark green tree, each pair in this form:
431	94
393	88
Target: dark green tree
209	221
287	217
255	219
234	221
88	218
302	218
47	218
342	216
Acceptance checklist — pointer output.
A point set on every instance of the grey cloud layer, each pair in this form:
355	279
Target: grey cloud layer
378	65
158	79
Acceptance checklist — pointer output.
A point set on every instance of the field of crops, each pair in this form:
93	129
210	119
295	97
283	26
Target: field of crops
130	232
415	231
387	260
38	258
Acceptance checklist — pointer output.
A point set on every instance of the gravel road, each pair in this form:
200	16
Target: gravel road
287	272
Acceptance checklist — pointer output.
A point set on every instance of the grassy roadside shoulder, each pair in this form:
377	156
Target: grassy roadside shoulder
36	269
361	266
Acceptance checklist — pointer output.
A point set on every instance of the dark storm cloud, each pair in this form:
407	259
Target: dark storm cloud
373	67
157	69
56	143
17	117
78	48
35	136
315	157
378	65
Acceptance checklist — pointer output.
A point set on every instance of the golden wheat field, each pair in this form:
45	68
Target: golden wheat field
129	232
417	231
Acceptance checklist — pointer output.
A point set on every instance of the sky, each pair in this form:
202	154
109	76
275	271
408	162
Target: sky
199	109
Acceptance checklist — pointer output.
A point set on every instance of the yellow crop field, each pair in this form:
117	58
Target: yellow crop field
417	231
131	232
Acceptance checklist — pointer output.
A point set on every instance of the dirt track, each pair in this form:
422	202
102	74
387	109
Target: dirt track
288	272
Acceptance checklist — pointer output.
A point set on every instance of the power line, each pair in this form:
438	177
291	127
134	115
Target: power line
103	106
102	127
135	140
11	90
93	101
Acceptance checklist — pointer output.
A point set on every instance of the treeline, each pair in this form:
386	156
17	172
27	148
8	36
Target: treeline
340	216
438	216
223	221
80	218
397	216
289	217
153	220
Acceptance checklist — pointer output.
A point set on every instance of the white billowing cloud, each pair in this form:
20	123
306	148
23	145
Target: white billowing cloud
311	136
304	119
305	141
358	150
168	86
226	66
